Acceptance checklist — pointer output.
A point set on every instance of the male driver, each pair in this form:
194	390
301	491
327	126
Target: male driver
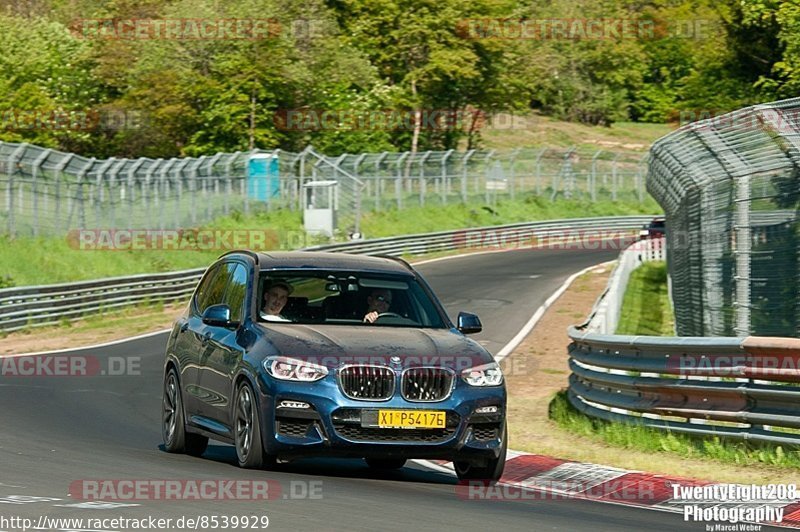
378	302
275	297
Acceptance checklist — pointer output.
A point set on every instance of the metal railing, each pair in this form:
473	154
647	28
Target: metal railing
695	385
608	309
36	306
46	192
741	388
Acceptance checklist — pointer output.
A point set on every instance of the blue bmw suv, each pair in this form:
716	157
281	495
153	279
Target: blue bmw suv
295	354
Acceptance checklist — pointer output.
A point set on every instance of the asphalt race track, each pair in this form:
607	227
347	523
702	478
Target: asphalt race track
59	430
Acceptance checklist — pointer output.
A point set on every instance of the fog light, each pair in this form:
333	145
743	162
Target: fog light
486	410
293	404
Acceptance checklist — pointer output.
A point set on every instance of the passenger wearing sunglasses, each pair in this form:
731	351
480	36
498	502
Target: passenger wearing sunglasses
378	302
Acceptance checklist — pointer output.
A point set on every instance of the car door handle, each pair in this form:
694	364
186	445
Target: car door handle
206	338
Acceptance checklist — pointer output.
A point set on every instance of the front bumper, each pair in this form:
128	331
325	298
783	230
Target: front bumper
332	426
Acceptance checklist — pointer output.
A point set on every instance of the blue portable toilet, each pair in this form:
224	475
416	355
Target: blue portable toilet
263	173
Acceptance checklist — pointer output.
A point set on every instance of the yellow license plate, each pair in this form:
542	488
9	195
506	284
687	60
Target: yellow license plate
411	419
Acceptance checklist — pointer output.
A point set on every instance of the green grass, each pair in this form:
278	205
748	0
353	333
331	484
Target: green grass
47	260
646	309
639	438
31	261
548	132
522	209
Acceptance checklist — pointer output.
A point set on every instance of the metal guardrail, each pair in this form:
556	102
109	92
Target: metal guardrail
36	306
743	388
608	308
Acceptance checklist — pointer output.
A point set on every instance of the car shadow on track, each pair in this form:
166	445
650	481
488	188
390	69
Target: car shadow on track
337	468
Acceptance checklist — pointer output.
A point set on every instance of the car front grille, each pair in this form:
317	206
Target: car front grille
427	384
370	434
367	383
485	431
296	428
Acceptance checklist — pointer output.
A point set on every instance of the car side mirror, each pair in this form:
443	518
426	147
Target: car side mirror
469	323
219	316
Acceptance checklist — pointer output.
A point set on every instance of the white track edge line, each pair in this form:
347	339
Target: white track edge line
528	327
87	347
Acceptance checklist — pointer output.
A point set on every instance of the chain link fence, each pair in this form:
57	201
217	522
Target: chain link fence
46	192
730	187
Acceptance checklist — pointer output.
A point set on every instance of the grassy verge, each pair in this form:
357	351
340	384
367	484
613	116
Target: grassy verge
541	130
646	309
93	329
31	261
657	442
523	209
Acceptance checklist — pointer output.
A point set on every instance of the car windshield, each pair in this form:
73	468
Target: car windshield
346	298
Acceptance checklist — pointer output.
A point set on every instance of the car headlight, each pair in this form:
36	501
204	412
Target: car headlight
485	375
293	369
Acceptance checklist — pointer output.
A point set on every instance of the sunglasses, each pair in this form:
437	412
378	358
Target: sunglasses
384	299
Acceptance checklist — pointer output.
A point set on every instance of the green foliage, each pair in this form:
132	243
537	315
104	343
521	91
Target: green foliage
199	96
639	437
646	308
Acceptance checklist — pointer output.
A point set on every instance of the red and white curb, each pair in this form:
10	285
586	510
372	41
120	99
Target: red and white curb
537	477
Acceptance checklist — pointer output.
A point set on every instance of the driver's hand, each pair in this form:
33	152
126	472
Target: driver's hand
371	317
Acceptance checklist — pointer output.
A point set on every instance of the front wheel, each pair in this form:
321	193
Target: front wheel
247	430
173	427
491	472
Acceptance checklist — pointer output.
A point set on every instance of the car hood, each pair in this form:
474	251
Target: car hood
337	345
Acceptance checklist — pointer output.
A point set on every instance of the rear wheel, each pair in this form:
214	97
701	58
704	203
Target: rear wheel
385	463
247	430
491	472
173	426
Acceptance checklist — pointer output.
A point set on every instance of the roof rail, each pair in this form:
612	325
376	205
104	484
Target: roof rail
252	254
396	259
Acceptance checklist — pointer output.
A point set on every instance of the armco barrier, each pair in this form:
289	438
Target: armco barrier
35	306
741	388
608	309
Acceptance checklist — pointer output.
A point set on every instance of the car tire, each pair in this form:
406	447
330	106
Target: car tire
173	425
385	463
491	472
247	429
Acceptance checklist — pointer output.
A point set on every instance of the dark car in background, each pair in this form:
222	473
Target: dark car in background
655	229
321	380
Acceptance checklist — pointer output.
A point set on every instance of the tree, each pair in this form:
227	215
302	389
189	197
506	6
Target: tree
420	50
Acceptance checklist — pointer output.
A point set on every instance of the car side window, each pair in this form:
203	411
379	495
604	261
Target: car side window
237	290
212	289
